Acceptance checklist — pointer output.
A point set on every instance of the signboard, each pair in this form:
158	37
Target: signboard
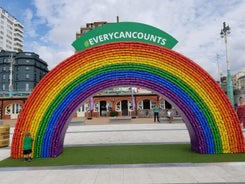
124	31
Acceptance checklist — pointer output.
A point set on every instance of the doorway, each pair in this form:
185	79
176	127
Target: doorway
168	105
124	107
146	104
103	108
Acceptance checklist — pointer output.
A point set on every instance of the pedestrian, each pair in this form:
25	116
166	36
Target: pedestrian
169	116
241	111
27	149
156	113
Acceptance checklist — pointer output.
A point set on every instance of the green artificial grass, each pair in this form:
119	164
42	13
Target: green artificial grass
126	154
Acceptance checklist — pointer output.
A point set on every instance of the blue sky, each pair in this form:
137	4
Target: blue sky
51	25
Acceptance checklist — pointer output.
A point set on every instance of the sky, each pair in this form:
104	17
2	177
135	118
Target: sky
50	26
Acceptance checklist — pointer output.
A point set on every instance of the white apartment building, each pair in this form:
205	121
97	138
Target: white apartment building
11	32
238	80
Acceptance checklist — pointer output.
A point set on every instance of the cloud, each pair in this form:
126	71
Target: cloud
52	54
29	26
194	23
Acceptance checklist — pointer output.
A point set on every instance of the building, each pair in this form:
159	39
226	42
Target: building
89	27
27	70
241	82
119	99
11	32
126	101
102	105
237	80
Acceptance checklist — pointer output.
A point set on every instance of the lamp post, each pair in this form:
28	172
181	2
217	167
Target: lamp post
219	74
11	88
224	32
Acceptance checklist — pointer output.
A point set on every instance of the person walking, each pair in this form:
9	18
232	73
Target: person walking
27	148
156	113
169	116
241	111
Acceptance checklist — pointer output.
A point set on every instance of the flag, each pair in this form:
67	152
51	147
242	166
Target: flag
133	101
91	103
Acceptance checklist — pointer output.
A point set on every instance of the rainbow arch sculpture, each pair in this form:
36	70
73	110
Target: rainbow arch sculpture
209	116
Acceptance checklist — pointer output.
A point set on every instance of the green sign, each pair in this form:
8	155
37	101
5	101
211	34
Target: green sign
124	31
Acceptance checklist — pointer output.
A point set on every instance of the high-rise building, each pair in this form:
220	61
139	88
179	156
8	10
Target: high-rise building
20	71
89	26
11	32
237	84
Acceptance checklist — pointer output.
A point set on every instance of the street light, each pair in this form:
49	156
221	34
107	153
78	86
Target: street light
11	88
224	32
219	73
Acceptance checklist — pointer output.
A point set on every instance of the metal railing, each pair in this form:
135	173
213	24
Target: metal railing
15	93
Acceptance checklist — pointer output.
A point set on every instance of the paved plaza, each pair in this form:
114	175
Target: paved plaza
100	131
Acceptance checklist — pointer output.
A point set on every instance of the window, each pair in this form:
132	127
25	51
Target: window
27	76
8	109
81	109
108	106
13	109
118	106
27	87
4	76
96	107
4	87
130	106
85	31
153	104
162	104
86	107
140	105
27	68
18	108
